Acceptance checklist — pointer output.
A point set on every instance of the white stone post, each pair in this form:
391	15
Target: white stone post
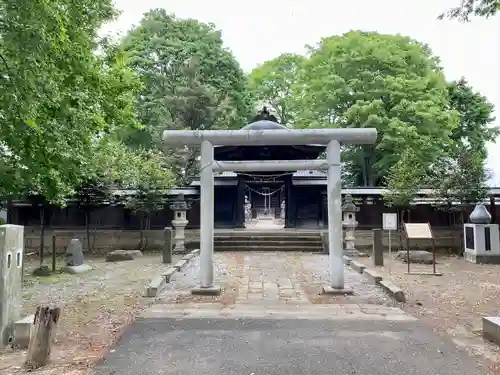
206	220
11	268
334	196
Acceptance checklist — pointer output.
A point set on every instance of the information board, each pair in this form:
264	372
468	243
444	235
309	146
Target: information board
418	230
390	221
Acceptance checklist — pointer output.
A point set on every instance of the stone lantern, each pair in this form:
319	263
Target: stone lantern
180	207
248	211
349	223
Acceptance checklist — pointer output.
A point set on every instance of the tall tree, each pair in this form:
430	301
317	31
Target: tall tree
161	48
459	175
56	94
404	179
389	82
467	8
274	84
474	129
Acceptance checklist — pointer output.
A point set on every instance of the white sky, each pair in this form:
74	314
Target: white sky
260	30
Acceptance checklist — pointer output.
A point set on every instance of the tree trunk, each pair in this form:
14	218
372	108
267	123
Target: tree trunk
41	341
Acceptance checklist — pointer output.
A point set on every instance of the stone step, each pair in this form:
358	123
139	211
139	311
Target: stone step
267	238
265	233
270	247
264	242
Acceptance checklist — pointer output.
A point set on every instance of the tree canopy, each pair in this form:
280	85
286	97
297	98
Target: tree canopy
468	8
160	50
190	81
82	115
56	94
274	84
389	82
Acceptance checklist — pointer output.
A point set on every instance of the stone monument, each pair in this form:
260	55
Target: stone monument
180	207
74	258
482	243
283	206
11	269
349	222
167	245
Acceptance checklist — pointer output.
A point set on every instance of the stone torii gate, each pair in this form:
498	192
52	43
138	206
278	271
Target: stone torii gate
332	138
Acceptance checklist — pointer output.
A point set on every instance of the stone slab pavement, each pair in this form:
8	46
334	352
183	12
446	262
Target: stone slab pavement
273	325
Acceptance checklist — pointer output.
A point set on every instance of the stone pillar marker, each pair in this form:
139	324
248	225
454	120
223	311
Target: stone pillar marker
180	207
378	247
11	268
349	210
167	245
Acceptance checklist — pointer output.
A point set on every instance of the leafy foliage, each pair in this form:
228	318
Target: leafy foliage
56	94
467	8
161	48
474	129
459	179
274	84
405	178
389	82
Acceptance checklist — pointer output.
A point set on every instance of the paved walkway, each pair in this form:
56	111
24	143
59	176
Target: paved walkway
272	320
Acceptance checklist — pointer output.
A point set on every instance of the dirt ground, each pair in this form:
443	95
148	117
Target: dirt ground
96	306
454	303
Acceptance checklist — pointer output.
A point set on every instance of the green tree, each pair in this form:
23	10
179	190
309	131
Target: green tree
274	84
152	179
405	178
474	129
389	82
56	93
467	8
160	48
459	178
194	105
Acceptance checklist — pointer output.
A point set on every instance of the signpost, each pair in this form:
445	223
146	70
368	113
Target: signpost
390	223
420	231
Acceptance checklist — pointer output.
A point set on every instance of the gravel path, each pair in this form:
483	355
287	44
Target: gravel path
95	308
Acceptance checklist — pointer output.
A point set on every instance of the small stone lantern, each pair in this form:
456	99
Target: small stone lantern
180	207
349	222
248	211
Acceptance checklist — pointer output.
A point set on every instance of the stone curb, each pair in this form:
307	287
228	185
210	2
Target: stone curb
347	260
155	286
356	266
158	283
188	256
491	329
393	290
373	275
181	264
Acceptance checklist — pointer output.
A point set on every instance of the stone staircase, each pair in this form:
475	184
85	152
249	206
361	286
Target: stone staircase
280	240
